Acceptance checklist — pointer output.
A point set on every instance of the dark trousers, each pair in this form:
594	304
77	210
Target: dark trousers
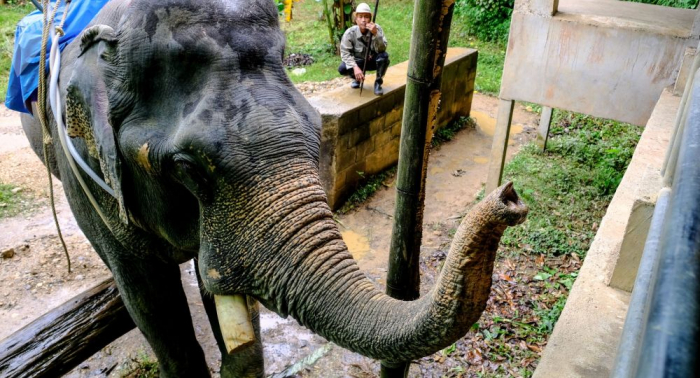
379	63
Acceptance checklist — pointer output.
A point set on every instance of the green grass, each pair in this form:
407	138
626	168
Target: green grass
569	186
11	203
9	16
307	33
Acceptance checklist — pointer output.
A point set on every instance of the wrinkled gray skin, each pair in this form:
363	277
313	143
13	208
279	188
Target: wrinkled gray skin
214	156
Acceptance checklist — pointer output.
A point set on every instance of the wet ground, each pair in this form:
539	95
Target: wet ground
35	278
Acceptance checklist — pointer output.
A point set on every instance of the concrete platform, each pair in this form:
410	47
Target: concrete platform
360	135
585	339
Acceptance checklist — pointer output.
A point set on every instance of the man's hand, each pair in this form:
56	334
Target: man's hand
359	76
372	27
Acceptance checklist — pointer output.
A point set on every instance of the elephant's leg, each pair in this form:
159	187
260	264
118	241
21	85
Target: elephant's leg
153	294
246	363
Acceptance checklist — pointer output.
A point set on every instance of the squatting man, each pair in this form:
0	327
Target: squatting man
353	49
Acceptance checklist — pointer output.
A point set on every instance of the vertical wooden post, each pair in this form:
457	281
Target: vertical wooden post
431	29
543	129
500	144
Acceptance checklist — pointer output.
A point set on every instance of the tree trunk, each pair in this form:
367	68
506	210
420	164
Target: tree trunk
431	29
58	341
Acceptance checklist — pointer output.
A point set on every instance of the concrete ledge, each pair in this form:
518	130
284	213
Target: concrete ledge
361	134
585	339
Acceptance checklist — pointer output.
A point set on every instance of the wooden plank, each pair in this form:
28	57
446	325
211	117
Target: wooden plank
58	341
543	129
500	144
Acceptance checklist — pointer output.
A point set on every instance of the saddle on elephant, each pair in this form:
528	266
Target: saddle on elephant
24	72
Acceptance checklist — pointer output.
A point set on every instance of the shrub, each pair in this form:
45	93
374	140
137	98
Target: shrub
687	4
488	20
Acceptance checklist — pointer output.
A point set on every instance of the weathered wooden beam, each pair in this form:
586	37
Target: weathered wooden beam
543	129
58	341
500	145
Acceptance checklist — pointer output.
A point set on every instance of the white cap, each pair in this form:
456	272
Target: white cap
363	8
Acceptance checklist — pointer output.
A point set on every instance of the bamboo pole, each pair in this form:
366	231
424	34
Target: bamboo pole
431	29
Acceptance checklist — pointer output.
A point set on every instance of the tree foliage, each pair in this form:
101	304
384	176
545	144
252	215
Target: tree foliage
488	20
687	4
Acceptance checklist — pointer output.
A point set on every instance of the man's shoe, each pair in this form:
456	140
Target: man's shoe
378	91
355	84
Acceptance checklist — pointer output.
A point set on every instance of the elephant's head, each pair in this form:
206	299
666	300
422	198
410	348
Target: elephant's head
190	100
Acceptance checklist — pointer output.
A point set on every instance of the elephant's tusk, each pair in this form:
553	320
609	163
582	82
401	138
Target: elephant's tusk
234	321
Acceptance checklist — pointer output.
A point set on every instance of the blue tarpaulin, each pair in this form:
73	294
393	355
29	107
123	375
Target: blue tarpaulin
24	73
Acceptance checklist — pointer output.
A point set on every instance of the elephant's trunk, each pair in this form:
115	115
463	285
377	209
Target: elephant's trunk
313	277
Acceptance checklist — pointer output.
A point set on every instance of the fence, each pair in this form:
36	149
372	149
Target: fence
660	336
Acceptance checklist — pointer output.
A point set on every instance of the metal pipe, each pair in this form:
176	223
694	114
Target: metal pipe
638	309
671	338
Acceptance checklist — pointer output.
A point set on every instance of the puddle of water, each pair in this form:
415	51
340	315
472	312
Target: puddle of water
358	245
481	160
487	124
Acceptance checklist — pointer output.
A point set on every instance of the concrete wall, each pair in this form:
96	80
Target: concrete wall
604	58
361	133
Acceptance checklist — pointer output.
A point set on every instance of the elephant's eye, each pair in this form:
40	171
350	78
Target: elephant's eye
189	174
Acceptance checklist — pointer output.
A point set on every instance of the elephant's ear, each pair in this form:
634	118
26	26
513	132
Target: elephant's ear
87	106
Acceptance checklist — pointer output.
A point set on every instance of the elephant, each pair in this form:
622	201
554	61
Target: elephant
184	108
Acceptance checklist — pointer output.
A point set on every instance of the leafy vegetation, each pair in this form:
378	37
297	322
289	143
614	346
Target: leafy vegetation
488	20
9	17
687	4
143	367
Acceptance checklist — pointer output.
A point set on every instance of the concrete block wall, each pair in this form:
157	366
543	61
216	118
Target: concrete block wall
360	134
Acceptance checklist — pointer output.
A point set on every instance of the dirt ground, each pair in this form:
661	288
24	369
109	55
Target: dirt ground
35	279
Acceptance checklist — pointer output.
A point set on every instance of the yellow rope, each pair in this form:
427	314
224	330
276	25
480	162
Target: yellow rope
41	106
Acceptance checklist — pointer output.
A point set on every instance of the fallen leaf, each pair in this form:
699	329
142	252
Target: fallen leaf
540	260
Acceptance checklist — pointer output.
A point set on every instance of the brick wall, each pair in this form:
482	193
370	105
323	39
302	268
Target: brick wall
361	134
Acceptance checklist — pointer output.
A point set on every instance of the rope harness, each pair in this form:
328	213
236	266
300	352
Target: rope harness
74	159
43	119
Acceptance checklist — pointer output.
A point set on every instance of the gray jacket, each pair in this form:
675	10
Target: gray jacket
353	45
